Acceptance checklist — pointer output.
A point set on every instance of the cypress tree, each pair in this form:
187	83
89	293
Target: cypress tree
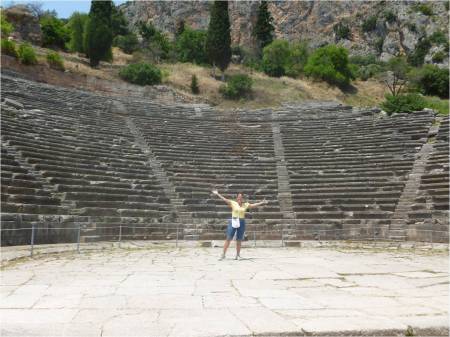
218	42
264	28
99	32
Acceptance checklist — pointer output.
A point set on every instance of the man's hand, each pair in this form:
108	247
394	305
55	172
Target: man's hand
265	202
215	192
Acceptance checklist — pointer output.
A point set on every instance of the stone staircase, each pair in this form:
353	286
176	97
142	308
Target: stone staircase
284	191
397	228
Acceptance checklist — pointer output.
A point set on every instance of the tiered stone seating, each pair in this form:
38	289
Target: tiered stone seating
200	153
72	158
86	154
348	170
430	212
25	201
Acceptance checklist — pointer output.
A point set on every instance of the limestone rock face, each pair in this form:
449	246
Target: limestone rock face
26	26
307	20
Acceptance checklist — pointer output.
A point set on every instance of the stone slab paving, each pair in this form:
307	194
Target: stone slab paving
168	291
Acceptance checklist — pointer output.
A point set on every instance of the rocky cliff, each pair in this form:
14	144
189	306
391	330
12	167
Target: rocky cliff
399	24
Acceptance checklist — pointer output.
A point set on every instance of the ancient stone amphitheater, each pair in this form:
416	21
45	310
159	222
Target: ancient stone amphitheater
130	167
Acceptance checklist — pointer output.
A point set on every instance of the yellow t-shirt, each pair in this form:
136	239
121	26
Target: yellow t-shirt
238	211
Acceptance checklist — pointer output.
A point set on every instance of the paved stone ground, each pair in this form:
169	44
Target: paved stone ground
187	292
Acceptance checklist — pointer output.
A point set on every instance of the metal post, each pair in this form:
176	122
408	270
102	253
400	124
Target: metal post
176	242
32	239
120	234
282	237
254	238
373	235
78	238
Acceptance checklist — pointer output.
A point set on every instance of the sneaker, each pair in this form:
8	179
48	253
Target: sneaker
222	257
238	257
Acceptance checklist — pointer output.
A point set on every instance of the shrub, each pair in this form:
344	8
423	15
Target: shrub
390	16
55	61
369	24
379	42
237	86
54	33
298	56
194	85
438	37
425	9
403	103
127	43
9	48
431	80
439	57
417	57
141	73
369	71
275	58
412	27
440	105
158	43
330	64
26	54
363	60
190	46
341	31
6	27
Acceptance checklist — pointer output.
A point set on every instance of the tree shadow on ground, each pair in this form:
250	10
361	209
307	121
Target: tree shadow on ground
348	89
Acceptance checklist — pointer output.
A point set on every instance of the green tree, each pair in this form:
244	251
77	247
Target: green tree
264	28
77	23
119	22
190	46
54	33
330	64
218	42
431	80
298	57
155	41
275	58
99	32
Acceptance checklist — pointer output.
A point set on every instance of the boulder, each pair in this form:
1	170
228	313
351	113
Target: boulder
26	26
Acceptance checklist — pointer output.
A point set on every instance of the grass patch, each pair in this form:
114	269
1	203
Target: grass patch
438	104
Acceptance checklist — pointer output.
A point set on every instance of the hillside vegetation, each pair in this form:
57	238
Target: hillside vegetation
203	66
